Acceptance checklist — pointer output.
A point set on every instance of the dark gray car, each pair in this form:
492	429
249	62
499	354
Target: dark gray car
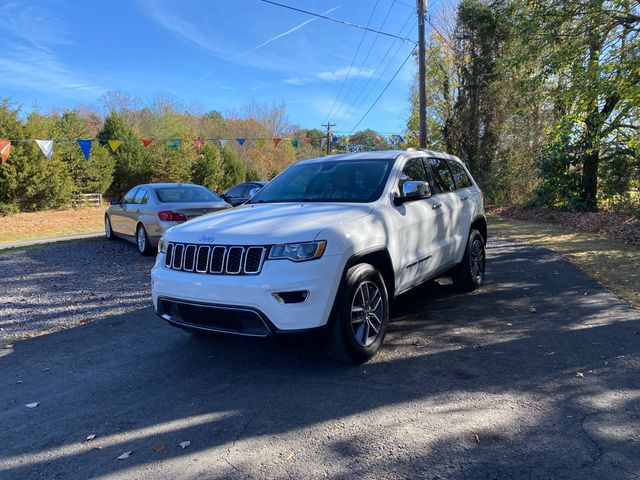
146	211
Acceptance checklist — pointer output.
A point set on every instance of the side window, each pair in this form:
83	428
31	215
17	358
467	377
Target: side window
413	170
142	195
441	175
460	177
236	191
128	198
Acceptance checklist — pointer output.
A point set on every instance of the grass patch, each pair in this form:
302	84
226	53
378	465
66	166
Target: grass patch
51	223
614	264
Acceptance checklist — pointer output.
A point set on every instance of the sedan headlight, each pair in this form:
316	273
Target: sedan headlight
298	252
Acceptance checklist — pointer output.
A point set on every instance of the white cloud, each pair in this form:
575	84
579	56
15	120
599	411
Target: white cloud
341	73
297	80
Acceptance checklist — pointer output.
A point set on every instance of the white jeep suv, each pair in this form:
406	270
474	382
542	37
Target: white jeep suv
327	243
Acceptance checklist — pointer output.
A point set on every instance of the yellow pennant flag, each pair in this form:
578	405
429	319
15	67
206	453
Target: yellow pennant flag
114	144
260	142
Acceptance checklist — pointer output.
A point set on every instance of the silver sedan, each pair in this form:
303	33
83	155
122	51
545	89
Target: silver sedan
146	211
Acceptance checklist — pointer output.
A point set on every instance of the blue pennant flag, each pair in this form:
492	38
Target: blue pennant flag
399	138
240	141
334	139
85	145
174	144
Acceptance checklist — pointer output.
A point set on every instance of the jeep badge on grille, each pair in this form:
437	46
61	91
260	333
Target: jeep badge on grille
207	238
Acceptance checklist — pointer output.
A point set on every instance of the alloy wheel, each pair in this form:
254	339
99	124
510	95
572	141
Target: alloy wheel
107	227
477	260
367	312
142	239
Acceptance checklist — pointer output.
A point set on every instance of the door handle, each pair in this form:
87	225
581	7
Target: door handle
436	206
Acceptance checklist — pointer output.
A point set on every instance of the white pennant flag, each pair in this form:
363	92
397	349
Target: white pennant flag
47	147
223	143
323	142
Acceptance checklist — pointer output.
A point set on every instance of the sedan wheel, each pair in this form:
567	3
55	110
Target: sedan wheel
108	233
143	241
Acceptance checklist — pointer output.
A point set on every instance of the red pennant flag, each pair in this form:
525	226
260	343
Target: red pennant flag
199	144
5	146
307	140
276	141
146	142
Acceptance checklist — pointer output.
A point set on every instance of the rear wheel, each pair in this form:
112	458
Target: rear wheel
142	239
469	275
361	319
108	232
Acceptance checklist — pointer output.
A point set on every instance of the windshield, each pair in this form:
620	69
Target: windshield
185	194
359	181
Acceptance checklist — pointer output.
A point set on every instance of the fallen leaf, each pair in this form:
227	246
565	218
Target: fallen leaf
97	447
7	346
290	456
185	444
159	447
579	374
532	309
477	438
32	405
19	381
90	437
46	369
125	455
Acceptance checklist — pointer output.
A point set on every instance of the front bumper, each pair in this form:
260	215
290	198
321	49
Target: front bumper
212	297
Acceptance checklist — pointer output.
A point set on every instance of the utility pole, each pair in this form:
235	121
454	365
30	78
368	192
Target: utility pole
328	125
421	6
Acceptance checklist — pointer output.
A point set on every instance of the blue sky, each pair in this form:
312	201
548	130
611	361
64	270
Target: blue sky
217	54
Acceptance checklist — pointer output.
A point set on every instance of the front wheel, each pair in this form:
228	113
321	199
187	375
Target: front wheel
142	239
108	232
361	318
470	273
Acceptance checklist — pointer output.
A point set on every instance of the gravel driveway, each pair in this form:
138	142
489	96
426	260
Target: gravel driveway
536	376
52	287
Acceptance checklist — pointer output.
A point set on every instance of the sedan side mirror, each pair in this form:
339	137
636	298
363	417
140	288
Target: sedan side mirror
413	190
253	192
114	201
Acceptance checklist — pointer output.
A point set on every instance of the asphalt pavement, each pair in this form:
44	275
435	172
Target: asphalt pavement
535	375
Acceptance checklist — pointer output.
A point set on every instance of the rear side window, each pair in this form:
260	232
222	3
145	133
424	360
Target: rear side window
413	170
441	175
460	177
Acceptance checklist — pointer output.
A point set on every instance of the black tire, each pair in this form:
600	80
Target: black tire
108	231
469	275
142	241
356	341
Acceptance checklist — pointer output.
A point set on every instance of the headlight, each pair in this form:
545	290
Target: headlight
162	246
298	252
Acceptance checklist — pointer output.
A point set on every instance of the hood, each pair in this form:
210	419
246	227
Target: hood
266	224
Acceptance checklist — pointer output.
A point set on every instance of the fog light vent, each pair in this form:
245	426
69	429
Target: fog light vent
291	297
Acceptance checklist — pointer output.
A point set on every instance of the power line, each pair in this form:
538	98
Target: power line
383	90
344	80
337	20
354	109
353	82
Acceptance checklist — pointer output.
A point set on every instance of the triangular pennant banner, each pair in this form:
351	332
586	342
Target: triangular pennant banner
223	142
294	142
199	143
260	142
276	141
114	144
5	147
174	144
323	142
240	141
146	142
307	140
47	147
85	146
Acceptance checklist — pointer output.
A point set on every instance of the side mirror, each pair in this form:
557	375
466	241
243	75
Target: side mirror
114	201
253	192
413	190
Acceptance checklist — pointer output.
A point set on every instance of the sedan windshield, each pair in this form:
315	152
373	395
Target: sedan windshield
358	181
185	194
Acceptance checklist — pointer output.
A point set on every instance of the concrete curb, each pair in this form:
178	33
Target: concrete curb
44	241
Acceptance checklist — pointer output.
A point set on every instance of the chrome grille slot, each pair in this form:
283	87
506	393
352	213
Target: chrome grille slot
169	255
216	259
253	259
234	260
177	256
189	258
202	263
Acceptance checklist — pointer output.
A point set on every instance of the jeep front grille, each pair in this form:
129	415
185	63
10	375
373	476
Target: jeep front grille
215	259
